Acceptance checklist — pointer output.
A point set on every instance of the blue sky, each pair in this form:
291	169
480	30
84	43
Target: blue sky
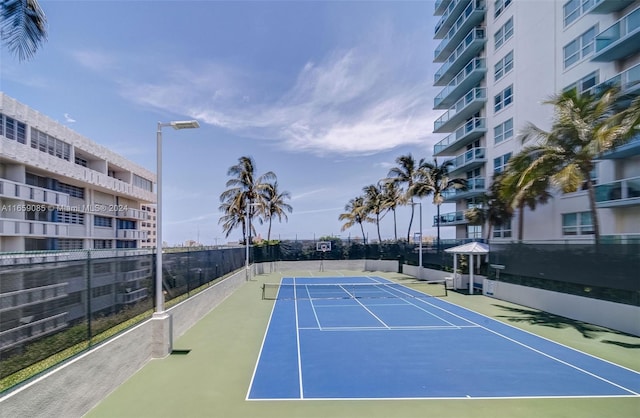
325	94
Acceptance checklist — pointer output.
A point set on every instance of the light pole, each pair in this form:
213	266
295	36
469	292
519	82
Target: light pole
419	242
188	124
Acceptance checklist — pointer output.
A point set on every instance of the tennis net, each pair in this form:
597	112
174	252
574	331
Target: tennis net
418	289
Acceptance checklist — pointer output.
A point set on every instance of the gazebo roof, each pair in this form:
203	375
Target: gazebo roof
469	248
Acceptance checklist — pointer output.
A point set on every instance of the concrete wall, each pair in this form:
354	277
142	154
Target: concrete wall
72	389
613	315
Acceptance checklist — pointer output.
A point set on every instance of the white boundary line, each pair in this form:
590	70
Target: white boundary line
451	398
367	309
295	301
264	338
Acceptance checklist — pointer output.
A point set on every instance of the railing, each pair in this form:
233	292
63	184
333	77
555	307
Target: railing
474	65
131	234
25	297
446	14
472	155
32	331
626	81
475	124
476	184
477	5
477	93
451	218
618	30
32	228
20	191
620	191
474	35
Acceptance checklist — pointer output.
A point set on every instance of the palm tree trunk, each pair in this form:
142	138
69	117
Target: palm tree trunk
364	240
395	225
410	222
378	226
269	231
520	221
594	212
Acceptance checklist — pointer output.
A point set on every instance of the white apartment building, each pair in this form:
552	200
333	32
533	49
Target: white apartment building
62	191
149	226
498	61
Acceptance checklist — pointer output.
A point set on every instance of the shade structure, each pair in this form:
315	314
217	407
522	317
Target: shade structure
471	249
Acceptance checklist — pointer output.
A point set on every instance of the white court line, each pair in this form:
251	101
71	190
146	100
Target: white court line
314	312
264	338
367	309
435	398
295	300
535	349
391	328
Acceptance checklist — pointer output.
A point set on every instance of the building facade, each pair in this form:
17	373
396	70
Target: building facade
499	60
62	191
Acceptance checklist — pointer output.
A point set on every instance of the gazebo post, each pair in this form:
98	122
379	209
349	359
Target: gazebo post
471	273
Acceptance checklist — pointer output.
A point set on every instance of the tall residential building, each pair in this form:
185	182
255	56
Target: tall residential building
499	60
62	191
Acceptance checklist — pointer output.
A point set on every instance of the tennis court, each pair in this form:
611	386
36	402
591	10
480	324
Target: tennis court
367	337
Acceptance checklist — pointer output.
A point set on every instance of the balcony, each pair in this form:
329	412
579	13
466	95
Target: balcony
475	187
465	134
21	227
32	331
137	214
441	6
131	234
627	150
627	81
467	78
619	193
472	16
20	191
471	159
609	6
464	108
132	297
619	40
466	50
450	219
32	296
449	17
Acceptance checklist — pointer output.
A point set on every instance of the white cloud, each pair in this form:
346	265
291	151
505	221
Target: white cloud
356	101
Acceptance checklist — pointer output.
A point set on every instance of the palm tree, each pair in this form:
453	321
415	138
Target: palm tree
407	173
493	210
355	213
275	205
392	197
374	204
243	194
435	180
523	187
23	25
584	127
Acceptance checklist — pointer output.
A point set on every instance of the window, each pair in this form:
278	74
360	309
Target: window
81	161
500	163
584	84
12	129
70	218
503	132
503	66
474	231
573	9
46	143
503	99
142	183
69	244
502	231
71	190
504	33
578	223
579	48
500	5
126	224
102	221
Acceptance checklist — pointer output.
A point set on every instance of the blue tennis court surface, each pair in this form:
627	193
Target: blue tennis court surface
390	342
